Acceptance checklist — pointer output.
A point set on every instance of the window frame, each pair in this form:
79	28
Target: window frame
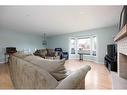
92	50
70	45
76	45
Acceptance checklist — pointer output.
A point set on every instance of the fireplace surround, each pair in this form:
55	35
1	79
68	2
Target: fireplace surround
121	40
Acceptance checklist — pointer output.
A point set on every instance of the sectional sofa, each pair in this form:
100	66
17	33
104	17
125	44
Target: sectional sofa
33	72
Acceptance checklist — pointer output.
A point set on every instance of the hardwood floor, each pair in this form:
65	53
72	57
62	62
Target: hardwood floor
97	78
5	81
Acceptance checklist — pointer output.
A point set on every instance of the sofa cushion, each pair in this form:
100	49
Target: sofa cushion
54	67
43	53
50	52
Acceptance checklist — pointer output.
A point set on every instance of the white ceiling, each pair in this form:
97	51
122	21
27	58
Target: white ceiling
57	19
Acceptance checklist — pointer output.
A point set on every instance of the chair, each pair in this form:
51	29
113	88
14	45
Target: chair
61	53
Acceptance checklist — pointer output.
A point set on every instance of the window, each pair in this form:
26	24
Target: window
84	45
94	42
73	45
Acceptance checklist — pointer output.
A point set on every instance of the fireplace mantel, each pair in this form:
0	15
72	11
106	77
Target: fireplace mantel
122	34
121	39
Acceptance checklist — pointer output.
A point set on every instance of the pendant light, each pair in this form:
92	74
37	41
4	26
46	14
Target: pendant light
44	42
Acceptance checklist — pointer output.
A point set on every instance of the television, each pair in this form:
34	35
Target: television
111	50
123	17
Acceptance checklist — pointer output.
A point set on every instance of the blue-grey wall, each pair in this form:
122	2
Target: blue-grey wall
22	41
104	37
26	41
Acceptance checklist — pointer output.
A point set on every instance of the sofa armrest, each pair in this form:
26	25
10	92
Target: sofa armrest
74	80
65	55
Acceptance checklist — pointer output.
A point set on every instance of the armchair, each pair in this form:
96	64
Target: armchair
61	53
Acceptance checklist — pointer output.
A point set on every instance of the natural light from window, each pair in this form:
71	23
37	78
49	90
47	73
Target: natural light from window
85	45
73	45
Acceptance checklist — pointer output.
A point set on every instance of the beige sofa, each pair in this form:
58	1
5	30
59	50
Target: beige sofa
32	72
47	53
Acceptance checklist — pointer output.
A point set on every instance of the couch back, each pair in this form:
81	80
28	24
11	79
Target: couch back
25	75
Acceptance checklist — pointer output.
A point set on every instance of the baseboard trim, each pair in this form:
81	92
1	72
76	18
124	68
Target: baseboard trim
99	62
2	62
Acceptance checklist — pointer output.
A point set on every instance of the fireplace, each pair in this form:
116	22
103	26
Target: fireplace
122	66
121	40
122	58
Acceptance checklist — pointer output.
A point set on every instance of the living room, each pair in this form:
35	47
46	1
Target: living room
81	33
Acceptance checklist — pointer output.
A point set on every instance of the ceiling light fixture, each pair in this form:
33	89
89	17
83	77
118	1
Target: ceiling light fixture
44	42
